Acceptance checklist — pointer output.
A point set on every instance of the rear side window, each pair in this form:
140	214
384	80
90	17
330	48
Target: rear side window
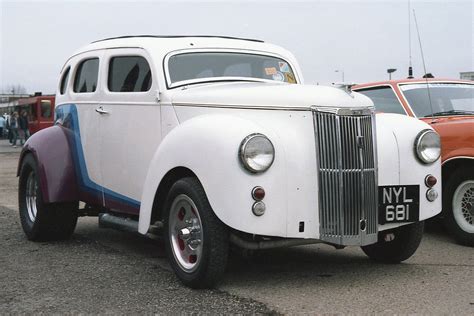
384	100
86	76
129	74
64	80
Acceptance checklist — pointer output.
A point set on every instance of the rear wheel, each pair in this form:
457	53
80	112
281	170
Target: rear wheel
197	242
42	221
396	245
458	205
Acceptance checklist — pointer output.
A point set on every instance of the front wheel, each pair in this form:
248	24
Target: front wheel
41	221
458	205
197	242
396	245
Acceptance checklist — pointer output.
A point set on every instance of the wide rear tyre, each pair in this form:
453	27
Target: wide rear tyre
197	242
42	221
458	205
406	240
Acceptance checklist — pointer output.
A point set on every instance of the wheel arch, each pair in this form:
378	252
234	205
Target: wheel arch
165	185
455	163
26	151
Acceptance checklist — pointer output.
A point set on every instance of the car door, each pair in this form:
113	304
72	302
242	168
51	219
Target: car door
85	125
130	126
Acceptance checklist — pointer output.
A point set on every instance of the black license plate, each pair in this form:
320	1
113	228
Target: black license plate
399	204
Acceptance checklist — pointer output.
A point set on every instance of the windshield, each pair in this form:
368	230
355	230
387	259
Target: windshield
210	66
446	98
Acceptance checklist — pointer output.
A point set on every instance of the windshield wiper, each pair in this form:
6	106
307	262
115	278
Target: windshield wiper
451	112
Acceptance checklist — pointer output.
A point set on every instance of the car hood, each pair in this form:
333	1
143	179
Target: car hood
457	135
266	95
454	126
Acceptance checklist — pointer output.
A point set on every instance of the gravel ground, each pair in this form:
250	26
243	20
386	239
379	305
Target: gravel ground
82	275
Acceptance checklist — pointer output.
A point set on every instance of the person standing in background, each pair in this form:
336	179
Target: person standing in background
10	134
14	128
2	125
23	125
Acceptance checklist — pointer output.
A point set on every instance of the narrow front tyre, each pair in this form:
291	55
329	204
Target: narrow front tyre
197	242
396	245
41	221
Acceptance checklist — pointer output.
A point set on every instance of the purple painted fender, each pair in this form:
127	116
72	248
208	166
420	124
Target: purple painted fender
51	150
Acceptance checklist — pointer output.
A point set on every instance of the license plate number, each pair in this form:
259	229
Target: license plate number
399	204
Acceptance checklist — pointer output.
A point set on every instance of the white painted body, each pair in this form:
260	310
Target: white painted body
200	127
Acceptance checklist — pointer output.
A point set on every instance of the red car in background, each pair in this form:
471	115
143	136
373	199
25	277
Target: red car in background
40	111
448	106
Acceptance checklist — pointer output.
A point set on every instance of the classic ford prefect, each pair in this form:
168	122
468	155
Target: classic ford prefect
216	140
448	106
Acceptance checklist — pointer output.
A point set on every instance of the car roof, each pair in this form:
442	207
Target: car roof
408	81
166	43
180	36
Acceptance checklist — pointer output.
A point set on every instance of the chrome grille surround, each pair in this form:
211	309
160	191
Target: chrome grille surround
347	165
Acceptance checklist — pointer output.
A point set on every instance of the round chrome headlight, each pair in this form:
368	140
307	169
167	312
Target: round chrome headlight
257	153
428	146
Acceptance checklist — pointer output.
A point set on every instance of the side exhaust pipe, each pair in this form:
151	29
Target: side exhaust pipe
107	220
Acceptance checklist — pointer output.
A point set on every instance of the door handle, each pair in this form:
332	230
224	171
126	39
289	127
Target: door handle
101	110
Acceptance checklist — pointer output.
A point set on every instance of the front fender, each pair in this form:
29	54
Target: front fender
208	145
398	165
50	148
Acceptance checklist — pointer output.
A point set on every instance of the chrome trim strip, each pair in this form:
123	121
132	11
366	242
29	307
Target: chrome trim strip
344	111
242	106
108	102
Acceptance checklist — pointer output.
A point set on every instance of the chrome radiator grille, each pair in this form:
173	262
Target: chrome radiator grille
347	176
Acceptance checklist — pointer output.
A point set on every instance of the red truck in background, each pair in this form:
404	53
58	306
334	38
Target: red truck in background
40	111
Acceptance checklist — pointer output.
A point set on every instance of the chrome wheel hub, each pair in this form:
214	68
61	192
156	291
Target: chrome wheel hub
30	196
463	205
185	233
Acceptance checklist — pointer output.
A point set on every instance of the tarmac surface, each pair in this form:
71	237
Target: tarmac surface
110	272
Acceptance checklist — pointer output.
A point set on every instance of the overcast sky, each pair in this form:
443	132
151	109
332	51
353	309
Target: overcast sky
363	38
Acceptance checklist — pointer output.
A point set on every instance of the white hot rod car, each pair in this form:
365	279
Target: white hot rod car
214	141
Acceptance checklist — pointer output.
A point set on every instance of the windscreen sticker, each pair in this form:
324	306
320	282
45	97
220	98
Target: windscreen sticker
270	71
289	77
283	66
278	76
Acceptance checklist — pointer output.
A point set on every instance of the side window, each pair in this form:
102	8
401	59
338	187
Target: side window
86	76
384	100
129	74
46	108
64	80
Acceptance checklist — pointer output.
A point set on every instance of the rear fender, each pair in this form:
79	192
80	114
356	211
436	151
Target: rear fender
51	150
